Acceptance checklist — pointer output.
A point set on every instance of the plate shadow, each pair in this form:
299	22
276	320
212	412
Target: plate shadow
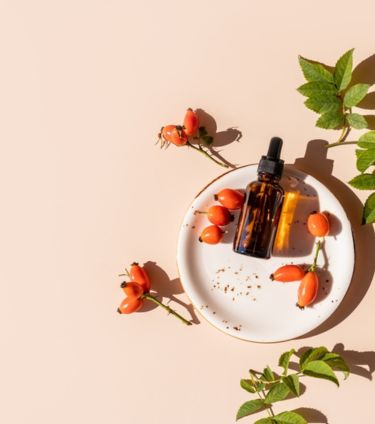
316	163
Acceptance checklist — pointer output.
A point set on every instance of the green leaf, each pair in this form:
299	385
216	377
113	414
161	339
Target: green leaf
278	392
248	386
268	374
343	70
324	103
319	369
312	354
285	359
260	386
367	140
314	71
265	421
365	158
337	362
289	417
316	88
330	120
369	210
355	94
249	408
207	140
363	182
356	121
292	381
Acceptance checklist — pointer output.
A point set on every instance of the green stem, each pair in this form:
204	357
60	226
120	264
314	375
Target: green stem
340	143
269	407
203	152
317	249
167	308
344	134
253	376
278	380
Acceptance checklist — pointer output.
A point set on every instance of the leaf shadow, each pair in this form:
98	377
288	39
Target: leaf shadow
165	288
312	415
357	361
316	163
360	363
221	138
368	102
370	121
364	72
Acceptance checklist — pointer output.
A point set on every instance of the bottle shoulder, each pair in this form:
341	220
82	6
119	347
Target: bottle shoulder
256	185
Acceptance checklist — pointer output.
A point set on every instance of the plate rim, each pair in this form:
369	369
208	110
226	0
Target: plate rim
292	166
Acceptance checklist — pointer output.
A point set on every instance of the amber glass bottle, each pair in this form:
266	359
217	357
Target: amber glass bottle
257	224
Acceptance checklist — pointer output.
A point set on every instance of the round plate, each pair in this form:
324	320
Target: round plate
234	292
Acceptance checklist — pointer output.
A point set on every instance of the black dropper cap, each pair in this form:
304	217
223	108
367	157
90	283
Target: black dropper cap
272	164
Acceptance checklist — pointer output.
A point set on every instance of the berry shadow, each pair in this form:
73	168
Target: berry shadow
325	283
166	290
220	138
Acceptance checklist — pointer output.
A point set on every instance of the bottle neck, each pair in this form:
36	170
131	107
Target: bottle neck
266	177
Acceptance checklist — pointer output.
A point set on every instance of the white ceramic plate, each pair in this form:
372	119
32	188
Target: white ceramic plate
234	292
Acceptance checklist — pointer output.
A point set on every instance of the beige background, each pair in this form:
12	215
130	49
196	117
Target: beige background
84	88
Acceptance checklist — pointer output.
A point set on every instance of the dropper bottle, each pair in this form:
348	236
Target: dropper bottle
257	224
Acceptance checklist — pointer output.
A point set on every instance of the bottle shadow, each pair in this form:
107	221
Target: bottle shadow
165	288
300	199
220	138
316	163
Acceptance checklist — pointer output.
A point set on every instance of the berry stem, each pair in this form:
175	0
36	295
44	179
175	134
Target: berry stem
317	250
167	308
199	149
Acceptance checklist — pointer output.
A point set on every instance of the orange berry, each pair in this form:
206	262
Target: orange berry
318	224
132	289
191	123
130	305
288	273
140	276
231	199
211	234
308	289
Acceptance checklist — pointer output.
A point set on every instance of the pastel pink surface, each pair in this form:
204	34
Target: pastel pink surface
85	87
